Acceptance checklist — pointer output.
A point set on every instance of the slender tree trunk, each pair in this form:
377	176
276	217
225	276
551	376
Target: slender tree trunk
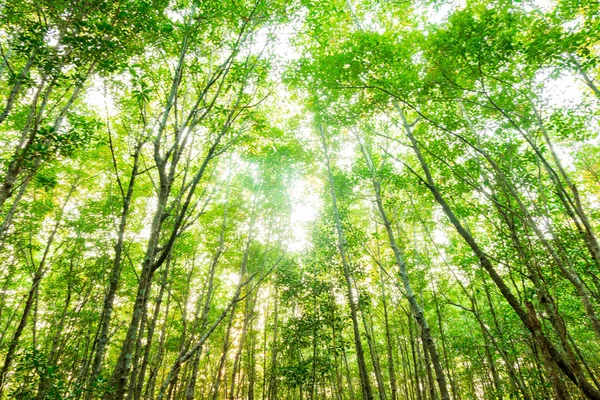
7	281
251	364
334	339
313	370
427	360
264	352
53	357
157	361
558	388
570	370
455	394
248	318
589	81
348	377
139	379
30	130
31	295
274	347
416	309
362	366
412	339
16	89
489	337
115	275
208	297
121	372
388	341
374	357
406	372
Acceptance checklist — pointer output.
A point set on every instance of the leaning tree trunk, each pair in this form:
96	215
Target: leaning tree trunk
573	372
31	296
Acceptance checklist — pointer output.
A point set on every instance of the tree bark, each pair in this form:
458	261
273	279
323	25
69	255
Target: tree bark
416	309
571	371
362	367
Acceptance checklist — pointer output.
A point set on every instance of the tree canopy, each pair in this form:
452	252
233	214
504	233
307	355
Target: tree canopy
299	199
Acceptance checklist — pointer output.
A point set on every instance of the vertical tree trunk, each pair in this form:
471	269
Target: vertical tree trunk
412	339
388	340
252	366
248	318
53	357
208	297
335	345
451	379
115	275
119	378
374	357
362	366
416	309
427	360
272	390
406	372
313	370
157	361
348	377
137	353
150	336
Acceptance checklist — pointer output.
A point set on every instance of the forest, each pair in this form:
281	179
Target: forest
299	199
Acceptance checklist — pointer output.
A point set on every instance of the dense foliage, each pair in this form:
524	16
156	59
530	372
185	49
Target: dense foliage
270	199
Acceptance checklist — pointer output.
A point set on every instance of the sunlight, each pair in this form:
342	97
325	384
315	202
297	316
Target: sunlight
96	96
305	208
437	13
52	37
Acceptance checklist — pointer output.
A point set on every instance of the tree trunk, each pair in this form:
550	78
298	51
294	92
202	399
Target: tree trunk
248	318
115	275
31	295
416	309
571	371
362	366
388	340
